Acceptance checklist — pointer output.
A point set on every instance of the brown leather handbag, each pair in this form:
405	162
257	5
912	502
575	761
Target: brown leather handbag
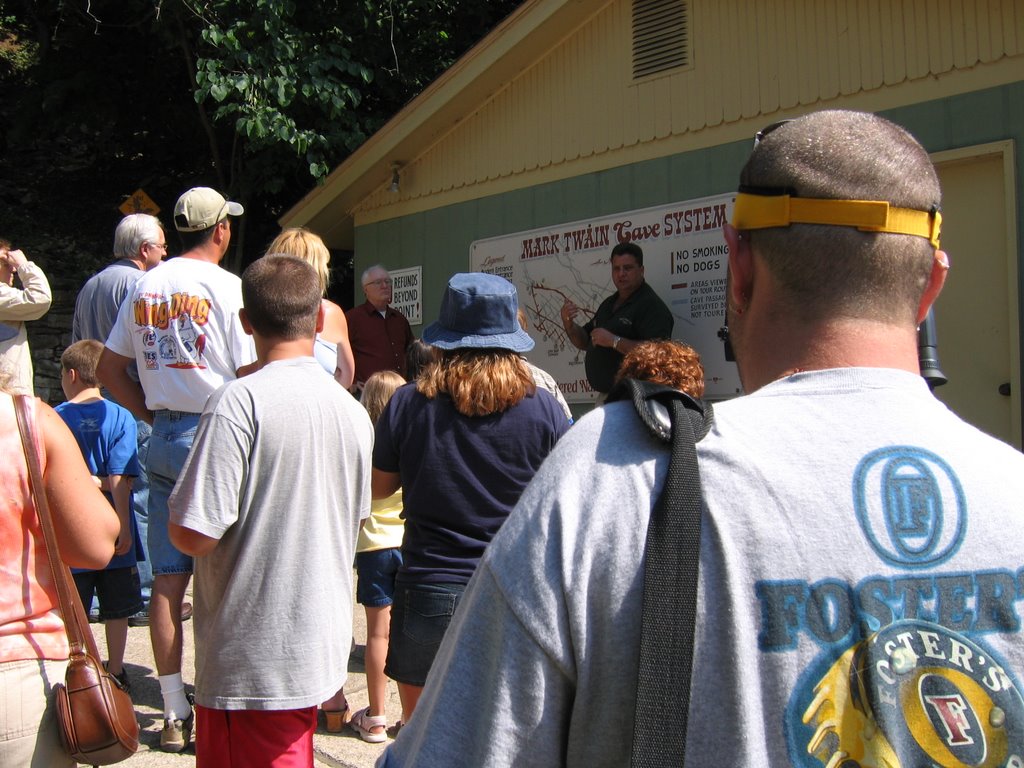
95	715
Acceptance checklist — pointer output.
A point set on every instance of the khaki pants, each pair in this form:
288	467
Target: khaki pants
28	724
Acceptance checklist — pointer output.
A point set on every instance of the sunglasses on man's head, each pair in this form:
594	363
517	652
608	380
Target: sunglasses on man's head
763	133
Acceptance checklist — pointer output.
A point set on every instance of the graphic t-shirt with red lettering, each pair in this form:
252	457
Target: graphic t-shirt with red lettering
180	324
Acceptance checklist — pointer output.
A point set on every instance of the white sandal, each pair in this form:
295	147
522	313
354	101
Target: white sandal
362	722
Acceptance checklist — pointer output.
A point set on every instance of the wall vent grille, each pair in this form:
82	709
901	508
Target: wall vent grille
661	36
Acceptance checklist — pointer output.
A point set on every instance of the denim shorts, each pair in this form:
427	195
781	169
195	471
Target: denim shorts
376	571
419	618
140	505
173	434
118	590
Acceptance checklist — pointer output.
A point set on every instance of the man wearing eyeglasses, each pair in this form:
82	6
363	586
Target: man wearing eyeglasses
857	600
180	325
378	332
139	245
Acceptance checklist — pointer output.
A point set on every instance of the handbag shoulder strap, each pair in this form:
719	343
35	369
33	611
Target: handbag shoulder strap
80	637
671	565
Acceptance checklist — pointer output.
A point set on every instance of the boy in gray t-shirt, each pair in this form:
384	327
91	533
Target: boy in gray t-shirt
274	539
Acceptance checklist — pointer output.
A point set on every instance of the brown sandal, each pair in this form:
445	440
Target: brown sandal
336	719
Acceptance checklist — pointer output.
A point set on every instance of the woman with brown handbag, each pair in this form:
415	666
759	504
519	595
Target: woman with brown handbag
33	642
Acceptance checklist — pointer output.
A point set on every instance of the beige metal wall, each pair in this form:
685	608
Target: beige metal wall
977	313
749	58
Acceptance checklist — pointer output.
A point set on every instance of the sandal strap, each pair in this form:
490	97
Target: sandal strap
367	721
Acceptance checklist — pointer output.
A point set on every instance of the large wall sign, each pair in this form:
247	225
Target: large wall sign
685	261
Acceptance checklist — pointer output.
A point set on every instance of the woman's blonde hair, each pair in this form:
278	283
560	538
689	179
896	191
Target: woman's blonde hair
377	391
299	241
479	381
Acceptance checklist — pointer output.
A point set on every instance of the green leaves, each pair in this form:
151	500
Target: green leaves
315	79
281	77
219	91
258	98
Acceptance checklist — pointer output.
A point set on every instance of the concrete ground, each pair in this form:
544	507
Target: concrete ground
344	750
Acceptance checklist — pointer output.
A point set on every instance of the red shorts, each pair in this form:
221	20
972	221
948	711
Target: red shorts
249	738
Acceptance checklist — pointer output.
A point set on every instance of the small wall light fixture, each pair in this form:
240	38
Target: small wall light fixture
394	177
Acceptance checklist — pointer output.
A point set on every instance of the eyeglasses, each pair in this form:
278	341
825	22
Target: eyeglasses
384	282
161	246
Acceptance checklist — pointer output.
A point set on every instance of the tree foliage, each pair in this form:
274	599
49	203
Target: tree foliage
285	78
318	78
259	98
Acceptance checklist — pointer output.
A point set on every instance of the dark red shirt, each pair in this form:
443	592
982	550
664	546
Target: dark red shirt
378	342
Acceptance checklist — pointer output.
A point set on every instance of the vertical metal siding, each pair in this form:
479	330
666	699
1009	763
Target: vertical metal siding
748	57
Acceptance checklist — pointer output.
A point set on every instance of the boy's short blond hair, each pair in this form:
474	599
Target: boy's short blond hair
82	357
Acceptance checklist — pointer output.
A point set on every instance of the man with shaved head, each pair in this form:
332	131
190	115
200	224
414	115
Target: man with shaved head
857	599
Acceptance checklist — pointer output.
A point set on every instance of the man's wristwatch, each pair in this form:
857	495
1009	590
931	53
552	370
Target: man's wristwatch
615	343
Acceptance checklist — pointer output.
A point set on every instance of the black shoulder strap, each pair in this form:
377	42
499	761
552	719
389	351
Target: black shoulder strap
671	563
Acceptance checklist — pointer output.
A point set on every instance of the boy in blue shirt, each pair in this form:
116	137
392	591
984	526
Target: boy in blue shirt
106	434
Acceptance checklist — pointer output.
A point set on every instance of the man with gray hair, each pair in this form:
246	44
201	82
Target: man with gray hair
139	245
379	333
858	598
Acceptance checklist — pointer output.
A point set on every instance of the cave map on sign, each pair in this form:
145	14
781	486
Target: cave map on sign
685	260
